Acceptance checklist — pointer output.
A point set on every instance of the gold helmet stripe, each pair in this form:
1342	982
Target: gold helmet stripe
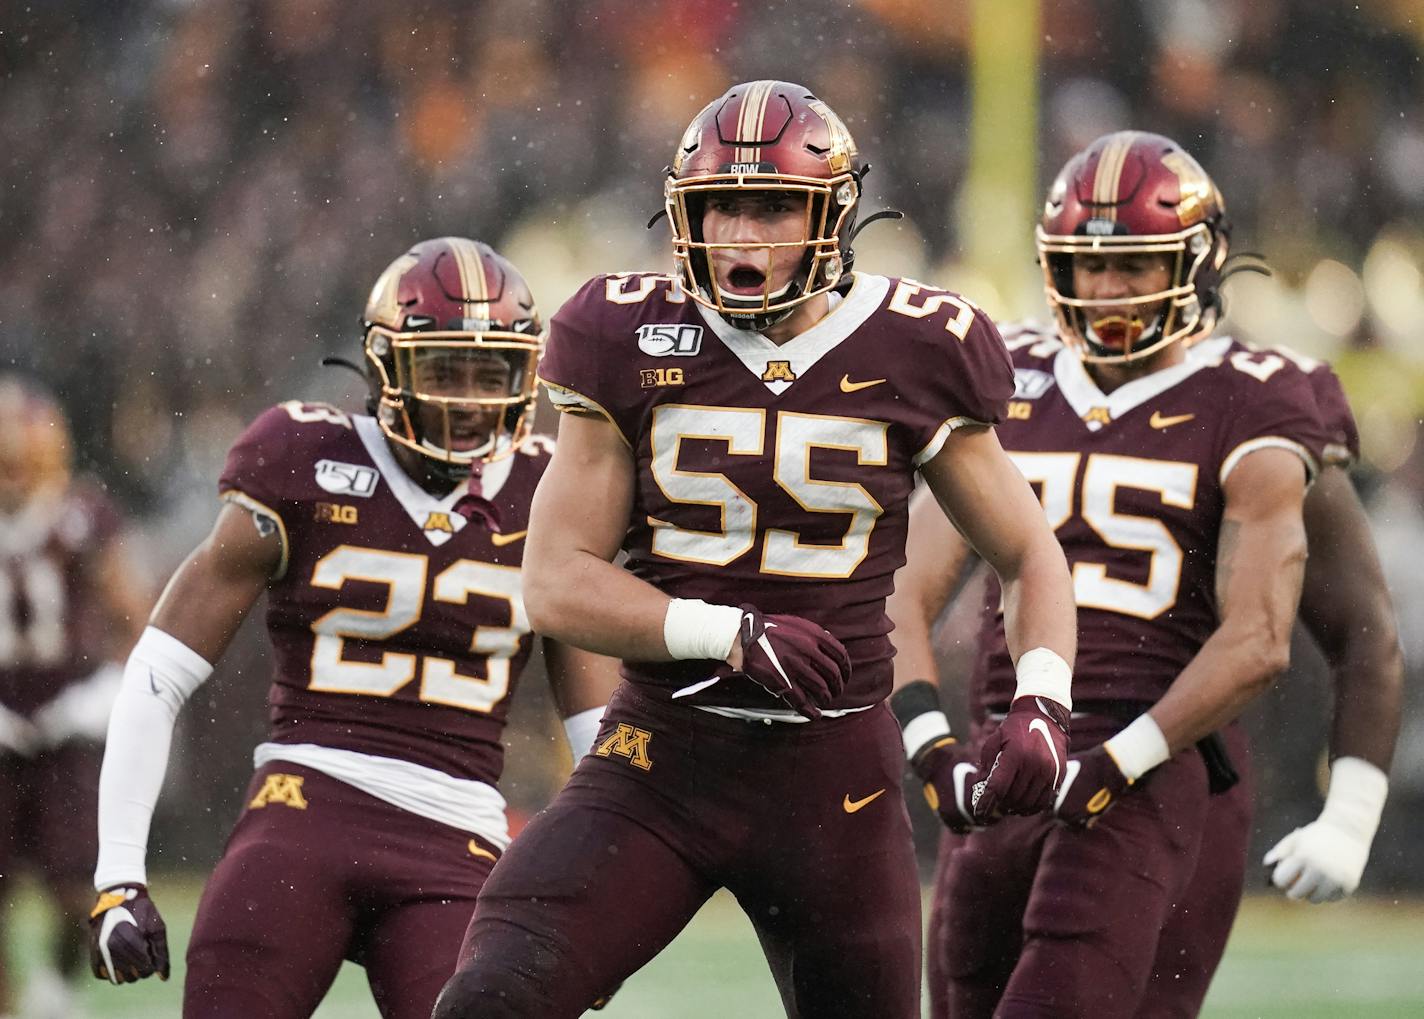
750	120
1109	176
474	286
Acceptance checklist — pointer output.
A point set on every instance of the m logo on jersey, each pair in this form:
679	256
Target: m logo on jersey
677	339
1030	384
778	371
630	742
346	479
283	789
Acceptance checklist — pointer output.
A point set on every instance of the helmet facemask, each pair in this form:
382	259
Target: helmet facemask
1169	315
829	212
459	399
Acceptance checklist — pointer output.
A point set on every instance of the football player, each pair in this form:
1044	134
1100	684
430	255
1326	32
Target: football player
70	607
752	425
390	546
1175	480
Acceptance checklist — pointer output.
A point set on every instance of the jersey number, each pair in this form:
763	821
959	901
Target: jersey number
32	607
743	431
1174	482
404	575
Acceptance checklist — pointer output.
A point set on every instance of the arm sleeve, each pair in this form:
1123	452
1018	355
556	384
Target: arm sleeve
571	368
161	674
1273	408
1342	436
958	381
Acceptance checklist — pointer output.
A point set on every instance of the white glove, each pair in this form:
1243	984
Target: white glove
81	710
1324	860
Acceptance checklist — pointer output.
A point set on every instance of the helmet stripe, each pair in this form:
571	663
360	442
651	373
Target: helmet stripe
750	121
472	272
1109	174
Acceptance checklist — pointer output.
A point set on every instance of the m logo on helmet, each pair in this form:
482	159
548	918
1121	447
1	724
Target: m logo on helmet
630	742
676	339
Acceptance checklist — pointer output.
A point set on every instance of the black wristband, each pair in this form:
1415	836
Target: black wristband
913	700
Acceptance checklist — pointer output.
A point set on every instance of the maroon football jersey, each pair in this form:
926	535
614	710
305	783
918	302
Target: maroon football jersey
1132	482
1342	446
50	617
777	475
397	622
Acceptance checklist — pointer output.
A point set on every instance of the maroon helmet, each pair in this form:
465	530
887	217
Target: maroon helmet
452	340
769	136
1139	193
35	447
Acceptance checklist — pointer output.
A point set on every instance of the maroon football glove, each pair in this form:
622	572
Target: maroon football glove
949	770
127	938
1092	783
793	659
1023	760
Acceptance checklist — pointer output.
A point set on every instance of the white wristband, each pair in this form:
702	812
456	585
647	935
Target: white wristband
1043	673
694	629
923	729
1139	748
1356	797
581	728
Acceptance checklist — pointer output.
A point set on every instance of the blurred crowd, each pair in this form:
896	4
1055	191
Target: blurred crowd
197	194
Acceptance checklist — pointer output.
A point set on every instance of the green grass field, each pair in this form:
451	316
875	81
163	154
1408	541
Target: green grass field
1285	961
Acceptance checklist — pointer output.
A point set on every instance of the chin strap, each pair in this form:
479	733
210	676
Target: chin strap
341	362
875	217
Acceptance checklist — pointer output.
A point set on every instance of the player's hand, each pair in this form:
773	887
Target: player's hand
1022	760
1321	862
1091	784
949	769
793	659
127	938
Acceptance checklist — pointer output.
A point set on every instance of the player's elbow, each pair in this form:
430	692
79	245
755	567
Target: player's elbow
1261	659
542	601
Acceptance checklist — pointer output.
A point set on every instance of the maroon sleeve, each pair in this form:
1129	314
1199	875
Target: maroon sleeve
1271	404
572	367
1342	445
955	380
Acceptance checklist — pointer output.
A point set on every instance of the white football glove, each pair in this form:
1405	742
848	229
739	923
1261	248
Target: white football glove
1324	860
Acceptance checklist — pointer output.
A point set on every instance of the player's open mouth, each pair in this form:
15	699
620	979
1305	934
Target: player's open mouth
745	279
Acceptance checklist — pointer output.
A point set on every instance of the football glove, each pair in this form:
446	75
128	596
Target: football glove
949	770
127	938
1021	764
1092	783
1324	860
793	659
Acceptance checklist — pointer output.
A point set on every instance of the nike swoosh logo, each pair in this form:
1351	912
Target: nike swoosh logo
153	684
847	386
1073	768
1158	421
1039	726
500	540
476	850
851	806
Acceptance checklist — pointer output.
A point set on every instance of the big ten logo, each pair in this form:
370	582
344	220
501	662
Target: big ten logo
630	742
652	377
670	340
283	789
1020	410
335	513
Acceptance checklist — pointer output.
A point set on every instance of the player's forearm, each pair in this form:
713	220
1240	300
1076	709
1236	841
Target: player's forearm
1369	685
581	599
1230	670
1038	602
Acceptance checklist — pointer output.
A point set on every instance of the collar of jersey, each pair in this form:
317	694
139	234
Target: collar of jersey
416	501
1083	394
754	350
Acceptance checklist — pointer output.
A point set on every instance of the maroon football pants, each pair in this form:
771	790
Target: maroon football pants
323	872
1128	918
803	823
